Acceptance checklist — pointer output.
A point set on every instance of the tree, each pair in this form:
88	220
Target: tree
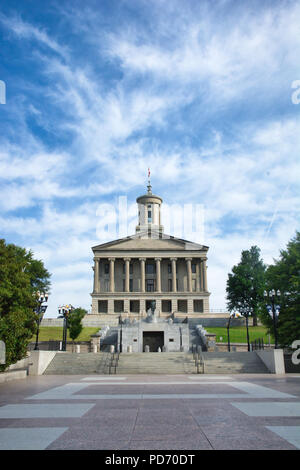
20	277
74	322
245	286
284	275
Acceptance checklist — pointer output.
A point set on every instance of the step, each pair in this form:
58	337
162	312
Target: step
155	363
233	362
74	363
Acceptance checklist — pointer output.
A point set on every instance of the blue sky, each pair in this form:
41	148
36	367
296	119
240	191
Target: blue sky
98	91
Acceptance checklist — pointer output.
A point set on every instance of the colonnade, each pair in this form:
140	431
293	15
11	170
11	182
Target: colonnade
201	280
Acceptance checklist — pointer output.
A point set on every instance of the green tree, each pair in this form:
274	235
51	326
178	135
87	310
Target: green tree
74	322
245	286
20	278
284	275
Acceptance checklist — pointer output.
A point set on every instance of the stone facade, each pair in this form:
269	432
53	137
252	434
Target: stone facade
131	272
163	334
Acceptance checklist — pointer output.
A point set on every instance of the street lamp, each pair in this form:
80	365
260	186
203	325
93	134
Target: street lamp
232	315
64	311
40	310
273	309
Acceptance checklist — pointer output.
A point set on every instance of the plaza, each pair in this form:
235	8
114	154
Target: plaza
182	412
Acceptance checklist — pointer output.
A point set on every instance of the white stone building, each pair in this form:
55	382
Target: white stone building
131	272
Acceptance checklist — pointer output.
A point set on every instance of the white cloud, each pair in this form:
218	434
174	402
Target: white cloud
245	171
26	30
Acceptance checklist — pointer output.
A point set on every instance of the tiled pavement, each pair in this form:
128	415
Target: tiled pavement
151	412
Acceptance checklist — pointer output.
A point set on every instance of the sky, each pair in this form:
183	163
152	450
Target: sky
92	94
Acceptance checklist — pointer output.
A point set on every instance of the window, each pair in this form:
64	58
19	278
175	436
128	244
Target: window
150	285
198	306
102	306
193	267
149	216
169	268
166	306
150	268
106	268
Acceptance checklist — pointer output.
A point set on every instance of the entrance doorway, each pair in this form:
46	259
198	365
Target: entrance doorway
153	339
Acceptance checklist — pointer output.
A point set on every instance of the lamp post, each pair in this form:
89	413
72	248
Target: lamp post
64	311
273	309
232	315
40	310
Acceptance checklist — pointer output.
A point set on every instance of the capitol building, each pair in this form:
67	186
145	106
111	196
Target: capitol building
132	272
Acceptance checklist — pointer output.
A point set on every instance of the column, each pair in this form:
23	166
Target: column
201	276
198	274
111	274
174	286
127	265
205	275
158	275
142	264
96	276
189	274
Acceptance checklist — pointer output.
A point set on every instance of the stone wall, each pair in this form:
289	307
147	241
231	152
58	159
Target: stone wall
85	346
175	336
217	320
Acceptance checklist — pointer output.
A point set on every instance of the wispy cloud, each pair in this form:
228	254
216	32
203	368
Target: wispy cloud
201	95
25	30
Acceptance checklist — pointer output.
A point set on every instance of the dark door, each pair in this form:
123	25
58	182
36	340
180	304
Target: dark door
153	339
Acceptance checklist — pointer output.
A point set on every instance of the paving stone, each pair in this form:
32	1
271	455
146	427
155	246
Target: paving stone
28	438
159	423
196	444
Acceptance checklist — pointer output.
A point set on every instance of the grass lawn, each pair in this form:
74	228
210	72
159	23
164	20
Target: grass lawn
239	334
56	332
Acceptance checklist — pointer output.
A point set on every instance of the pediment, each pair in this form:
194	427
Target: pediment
156	242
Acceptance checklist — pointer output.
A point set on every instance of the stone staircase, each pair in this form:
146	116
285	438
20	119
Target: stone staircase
233	363
156	363
65	363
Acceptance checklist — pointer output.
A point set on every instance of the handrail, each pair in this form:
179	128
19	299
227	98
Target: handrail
200	363
257	344
198	358
114	357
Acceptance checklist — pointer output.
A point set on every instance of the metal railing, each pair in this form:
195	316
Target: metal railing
198	358
257	344
113	364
